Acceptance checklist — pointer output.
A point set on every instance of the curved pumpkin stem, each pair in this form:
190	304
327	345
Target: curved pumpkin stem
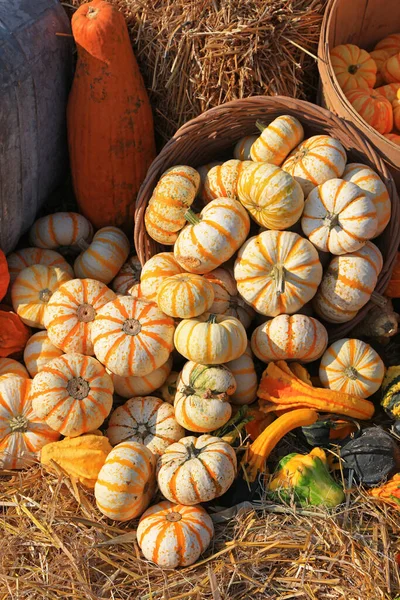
278	274
191	217
260	126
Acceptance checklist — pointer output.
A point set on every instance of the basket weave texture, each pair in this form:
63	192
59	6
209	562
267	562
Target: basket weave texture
213	135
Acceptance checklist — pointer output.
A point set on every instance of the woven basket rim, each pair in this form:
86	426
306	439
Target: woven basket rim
188	138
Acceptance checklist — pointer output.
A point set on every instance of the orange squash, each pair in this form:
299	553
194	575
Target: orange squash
374	108
110	125
4	275
13	333
353	67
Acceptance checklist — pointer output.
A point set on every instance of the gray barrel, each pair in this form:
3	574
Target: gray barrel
35	76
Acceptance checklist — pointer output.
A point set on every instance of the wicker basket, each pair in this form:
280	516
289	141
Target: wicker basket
213	134
364	23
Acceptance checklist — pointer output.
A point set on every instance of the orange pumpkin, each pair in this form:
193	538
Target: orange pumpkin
22	432
110	125
380	57
393	288
375	109
391	69
60	229
72	394
20	259
354	68
4	275
104	257
70	314
391	44
13	333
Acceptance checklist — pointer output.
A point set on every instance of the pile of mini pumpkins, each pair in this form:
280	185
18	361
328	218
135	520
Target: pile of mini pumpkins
107	324
371	83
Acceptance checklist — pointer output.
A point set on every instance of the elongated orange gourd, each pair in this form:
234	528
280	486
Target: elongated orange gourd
71	311
373	108
26	257
22	432
369	181
156	269
72	394
282	391
132	337
222	180
104	257
111	153
173	535
60	229
185	295
353	67
39	351
277	140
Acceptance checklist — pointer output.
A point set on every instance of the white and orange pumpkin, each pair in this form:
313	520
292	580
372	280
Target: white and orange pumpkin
72	394
71	311
352	367
127	276
226	298
290	337
104	257
131	386
22	432
185	295
242	148
61	229
26	257
9	366
39	351
277	272
173	535
156	269
245	375
277	140
222	180
132	337
126	481
196	470
32	289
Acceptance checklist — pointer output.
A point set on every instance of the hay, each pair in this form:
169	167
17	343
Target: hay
196	54
55	544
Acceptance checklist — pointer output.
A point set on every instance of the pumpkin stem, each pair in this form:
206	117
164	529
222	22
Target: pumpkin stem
19	424
82	244
278	273
212	318
85	313
353	69
45	295
260	126
351	373
132	327
193	451
331	220
92	12
78	388
173	517
191	217
378	299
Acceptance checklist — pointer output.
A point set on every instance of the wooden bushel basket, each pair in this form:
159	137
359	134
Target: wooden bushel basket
364	23
214	133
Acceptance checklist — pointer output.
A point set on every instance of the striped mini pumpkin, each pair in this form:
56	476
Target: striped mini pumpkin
391	43
157	268
353	67
39	351
147	420
168	390
339	217
127	276
32	289
22	432
245	375
185	295
212	237
277	272
316	160
196	470
226	298
347	284
132	337
72	394
222	180
290	337
379	57
104	257
370	182
242	148
173	195
174	535
389	91
210	339
128	387
70	314
277	140
60	229
126	482
272	197
391	69
373	108
352	367
26	257
9	366
202	171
